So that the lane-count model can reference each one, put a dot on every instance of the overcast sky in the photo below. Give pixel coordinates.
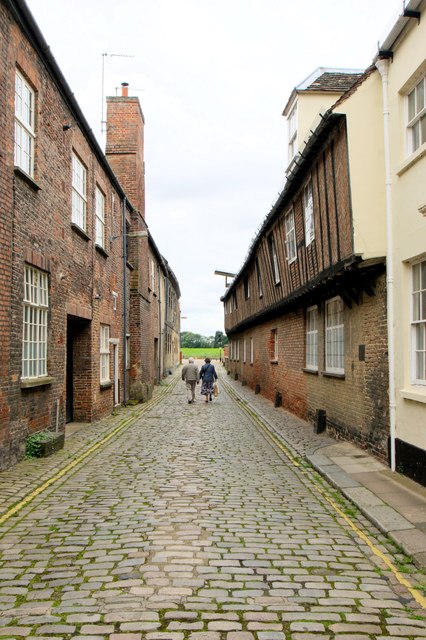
(213, 77)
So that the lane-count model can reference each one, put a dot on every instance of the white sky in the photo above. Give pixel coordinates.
(213, 77)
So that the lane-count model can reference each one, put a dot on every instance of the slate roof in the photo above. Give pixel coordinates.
(333, 81)
(325, 79)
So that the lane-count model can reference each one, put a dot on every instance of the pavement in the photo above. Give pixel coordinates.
(395, 504)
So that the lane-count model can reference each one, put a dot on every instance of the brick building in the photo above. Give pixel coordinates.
(154, 290)
(80, 278)
(306, 314)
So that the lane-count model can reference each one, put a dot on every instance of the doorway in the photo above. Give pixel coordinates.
(78, 370)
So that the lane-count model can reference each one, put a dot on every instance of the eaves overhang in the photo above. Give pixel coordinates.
(295, 179)
(349, 279)
(411, 12)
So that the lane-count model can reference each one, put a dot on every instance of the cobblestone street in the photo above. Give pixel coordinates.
(191, 523)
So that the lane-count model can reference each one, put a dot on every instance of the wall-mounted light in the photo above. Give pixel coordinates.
(65, 127)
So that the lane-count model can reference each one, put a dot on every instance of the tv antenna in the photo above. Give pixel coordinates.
(111, 55)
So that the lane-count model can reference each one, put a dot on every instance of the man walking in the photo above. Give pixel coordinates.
(191, 376)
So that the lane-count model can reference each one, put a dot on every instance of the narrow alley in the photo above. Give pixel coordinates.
(190, 522)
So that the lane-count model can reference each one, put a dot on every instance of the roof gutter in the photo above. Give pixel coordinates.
(410, 12)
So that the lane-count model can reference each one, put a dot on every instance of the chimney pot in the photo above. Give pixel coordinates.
(125, 89)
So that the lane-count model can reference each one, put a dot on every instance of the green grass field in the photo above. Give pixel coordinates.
(201, 353)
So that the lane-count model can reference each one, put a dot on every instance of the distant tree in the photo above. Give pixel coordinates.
(191, 340)
(220, 339)
(196, 341)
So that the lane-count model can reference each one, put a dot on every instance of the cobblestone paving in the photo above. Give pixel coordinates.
(191, 525)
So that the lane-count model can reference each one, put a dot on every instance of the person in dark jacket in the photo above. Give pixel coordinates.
(208, 376)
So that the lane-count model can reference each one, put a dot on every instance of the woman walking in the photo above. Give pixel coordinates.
(208, 376)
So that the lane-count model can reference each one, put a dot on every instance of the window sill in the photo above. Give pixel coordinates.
(329, 374)
(417, 396)
(412, 159)
(80, 231)
(27, 178)
(311, 371)
(28, 383)
(106, 385)
(101, 250)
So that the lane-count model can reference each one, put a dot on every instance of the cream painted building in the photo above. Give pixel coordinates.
(385, 114)
(402, 66)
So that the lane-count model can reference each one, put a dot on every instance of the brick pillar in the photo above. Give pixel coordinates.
(125, 145)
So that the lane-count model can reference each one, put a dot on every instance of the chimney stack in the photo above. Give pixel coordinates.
(125, 144)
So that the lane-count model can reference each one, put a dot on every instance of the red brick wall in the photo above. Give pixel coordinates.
(6, 217)
(356, 405)
(284, 375)
(81, 278)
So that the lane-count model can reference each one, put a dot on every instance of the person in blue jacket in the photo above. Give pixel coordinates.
(208, 376)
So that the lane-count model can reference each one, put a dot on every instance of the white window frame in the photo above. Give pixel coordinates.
(244, 351)
(274, 259)
(312, 338)
(292, 133)
(290, 237)
(24, 124)
(247, 287)
(251, 351)
(418, 322)
(79, 193)
(35, 318)
(259, 280)
(416, 116)
(104, 354)
(308, 212)
(152, 275)
(334, 336)
(100, 218)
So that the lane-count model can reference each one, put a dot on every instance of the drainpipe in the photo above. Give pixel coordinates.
(382, 65)
(160, 336)
(124, 301)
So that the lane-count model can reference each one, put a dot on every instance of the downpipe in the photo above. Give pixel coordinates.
(382, 64)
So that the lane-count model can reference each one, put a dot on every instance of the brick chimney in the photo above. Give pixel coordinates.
(125, 145)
